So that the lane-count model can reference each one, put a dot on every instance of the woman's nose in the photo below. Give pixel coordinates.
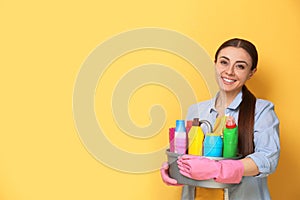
(230, 69)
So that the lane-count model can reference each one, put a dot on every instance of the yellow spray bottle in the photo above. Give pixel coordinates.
(196, 137)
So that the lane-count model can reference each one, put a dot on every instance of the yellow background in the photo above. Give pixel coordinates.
(44, 43)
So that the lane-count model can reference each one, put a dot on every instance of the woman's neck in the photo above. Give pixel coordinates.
(224, 99)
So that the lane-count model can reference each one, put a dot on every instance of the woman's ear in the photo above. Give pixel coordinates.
(252, 73)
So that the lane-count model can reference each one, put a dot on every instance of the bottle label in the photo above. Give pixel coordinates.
(180, 145)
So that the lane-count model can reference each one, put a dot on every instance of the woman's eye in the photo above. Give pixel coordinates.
(240, 66)
(223, 62)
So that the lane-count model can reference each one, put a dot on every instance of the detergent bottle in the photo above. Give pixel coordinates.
(213, 145)
(180, 140)
(213, 142)
(230, 137)
(196, 137)
(171, 139)
(189, 124)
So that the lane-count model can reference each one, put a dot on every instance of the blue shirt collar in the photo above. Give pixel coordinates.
(234, 104)
(237, 101)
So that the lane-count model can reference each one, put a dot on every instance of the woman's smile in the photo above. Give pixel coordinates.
(228, 81)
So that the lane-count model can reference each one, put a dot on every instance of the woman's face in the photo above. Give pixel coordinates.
(233, 69)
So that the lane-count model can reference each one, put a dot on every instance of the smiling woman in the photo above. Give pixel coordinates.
(258, 132)
(240, 64)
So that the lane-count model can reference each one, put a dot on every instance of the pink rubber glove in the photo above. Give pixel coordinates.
(164, 172)
(201, 168)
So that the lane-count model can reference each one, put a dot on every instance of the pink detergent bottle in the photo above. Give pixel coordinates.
(171, 139)
(180, 137)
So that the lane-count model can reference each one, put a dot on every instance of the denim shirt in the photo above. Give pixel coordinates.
(266, 141)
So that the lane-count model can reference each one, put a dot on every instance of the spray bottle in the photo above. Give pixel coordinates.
(230, 135)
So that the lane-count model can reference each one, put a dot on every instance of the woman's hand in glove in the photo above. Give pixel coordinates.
(164, 172)
(201, 168)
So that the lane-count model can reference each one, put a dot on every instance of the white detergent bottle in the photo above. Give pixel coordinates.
(180, 137)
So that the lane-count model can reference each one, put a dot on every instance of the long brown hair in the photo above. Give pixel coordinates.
(246, 123)
(247, 106)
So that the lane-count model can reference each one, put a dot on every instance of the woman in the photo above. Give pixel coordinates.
(258, 129)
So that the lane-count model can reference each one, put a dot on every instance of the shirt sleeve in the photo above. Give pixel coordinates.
(266, 138)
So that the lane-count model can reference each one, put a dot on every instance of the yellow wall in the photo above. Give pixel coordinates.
(43, 45)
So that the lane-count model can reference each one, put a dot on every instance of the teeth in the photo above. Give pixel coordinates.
(228, 80)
